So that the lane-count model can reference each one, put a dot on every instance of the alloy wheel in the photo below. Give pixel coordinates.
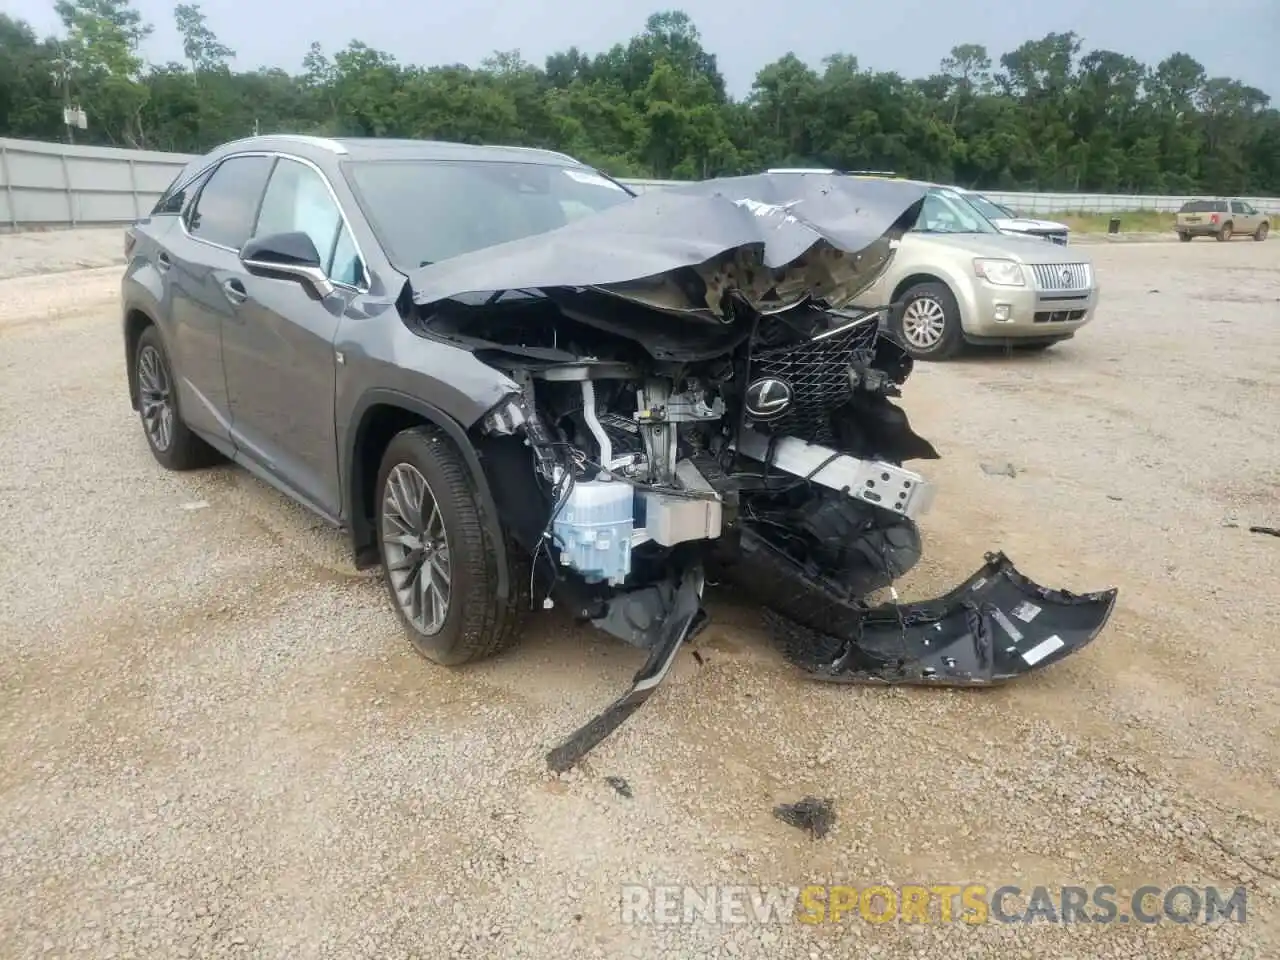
(155, 395)
(416, 549)
(923, 323)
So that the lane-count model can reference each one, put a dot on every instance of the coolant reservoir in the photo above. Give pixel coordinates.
(594, 530)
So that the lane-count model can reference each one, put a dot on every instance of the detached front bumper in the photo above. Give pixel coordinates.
(996, 626)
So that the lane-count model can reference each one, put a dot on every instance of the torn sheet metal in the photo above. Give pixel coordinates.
(995, 626)
(775, 238)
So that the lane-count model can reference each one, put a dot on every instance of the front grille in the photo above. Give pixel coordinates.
(1058, 316)
(1061, 276)
(817, 372)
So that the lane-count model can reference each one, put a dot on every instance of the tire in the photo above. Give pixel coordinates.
(172, 443)
(924, 299)
(1261, 233)
(475, 623)
(1226, 231)
(1184, 236)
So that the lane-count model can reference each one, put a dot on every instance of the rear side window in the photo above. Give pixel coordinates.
(225, 210)
(175, 196)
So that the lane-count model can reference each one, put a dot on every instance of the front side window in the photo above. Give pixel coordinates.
(425, 211)
(224, 211)
(298, 201)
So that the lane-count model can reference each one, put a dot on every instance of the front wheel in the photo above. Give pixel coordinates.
(1261, 233)
(928, 326)
(438, 557)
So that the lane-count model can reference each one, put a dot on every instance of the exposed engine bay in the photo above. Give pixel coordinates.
(727, 416)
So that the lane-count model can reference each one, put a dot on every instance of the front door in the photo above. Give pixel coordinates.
(278, 350)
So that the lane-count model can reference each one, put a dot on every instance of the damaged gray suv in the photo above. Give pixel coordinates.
(517, 385)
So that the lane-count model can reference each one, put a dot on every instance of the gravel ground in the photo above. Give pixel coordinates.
(56, 251)
(217, 743)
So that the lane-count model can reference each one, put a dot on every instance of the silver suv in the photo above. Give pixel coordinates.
(960, 280)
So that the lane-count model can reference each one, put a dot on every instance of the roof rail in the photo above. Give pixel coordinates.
(544, 152)
(833, 172)
(323, 143)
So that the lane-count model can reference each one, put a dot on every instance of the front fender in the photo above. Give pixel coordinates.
(363, 415)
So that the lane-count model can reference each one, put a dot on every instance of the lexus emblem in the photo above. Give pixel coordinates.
(768, 398)
(1066, 277)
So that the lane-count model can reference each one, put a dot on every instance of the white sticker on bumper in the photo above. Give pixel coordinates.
(1043, 649)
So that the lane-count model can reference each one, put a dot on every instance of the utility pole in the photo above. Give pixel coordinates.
(72, 116)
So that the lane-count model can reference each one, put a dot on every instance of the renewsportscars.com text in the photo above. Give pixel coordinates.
(936, 903)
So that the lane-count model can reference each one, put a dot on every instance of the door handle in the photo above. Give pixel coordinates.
(235, 291)
(163, 262)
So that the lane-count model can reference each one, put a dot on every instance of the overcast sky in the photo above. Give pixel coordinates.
(1236, 38)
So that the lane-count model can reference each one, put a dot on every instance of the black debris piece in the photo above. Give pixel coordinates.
(620, 784)
(1272, 531)
(817, 816)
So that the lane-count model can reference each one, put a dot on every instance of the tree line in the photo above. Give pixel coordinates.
(1042, 117)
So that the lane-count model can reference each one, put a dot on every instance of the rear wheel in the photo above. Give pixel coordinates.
(438, 558)
(1225, 232)
(928, 325)
(173, 445)
(1184, 236)
(1261, 233)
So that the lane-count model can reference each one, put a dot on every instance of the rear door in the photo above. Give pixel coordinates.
(202, 254)
(278, 347)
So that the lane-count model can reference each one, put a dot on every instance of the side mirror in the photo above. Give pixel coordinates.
(287, 255)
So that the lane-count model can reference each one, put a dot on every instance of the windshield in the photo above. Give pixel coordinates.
(946, 211)
(988, 209)
(425, 211)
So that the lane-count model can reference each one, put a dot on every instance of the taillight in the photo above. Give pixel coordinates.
(1214, 218)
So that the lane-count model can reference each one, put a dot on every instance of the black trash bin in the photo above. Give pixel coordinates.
(1113, 226)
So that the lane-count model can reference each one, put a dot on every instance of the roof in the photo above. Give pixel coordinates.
(386, 148)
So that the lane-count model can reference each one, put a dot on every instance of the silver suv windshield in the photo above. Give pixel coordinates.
(425, 211)
(946, 211)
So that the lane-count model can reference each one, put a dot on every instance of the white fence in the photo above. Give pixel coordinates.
(60, 185)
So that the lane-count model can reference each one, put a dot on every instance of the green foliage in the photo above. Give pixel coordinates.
(1045, 116)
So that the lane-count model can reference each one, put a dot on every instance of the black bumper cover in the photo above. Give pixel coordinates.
(996, 626)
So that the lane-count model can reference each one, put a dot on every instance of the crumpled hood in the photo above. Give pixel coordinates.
(775, 238)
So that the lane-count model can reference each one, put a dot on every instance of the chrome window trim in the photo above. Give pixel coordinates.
(279, 155)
